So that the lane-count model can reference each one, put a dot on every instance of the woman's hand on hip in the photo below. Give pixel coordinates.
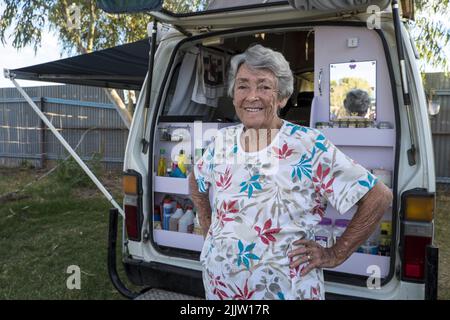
(314, 254)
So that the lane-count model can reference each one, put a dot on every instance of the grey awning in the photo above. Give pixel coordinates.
(121, 67)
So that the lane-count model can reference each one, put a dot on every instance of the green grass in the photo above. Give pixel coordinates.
(41, 236)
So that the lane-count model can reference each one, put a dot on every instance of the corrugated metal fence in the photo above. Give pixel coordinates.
(79, 113)
(439, 85)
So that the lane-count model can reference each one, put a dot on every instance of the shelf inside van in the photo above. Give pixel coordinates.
(179, 240)
(171, 185)
(364, 264)
(365, 137)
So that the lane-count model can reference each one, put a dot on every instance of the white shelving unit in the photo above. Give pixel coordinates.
(362, 264)
(363, 137)
(179, 186)
(179, 240)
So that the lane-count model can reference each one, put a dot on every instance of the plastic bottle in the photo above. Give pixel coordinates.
(324, 233)
(173, 223)
(197, 227)
(186, 222)
(167, 212)
(384, 248)
(162, 163)
(182, 162)
(339, 227)
(176, 172)
(157, 218)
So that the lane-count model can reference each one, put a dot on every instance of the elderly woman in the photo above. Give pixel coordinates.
(270, 182)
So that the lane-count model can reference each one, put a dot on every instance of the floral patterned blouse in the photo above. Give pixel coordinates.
(262, 202)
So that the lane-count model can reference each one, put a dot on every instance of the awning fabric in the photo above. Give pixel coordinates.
(121, 67)
(129, 6)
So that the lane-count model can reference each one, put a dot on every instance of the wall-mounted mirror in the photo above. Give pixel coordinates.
(353, 90)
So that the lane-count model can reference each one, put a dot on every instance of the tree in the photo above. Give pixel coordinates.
(430, 32)
(94, 30)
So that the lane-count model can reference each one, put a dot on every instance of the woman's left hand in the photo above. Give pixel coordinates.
(313, 253)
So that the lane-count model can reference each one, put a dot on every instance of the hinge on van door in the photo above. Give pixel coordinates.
(204, 29)
(346, 14)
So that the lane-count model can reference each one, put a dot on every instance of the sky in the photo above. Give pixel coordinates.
(12, 58)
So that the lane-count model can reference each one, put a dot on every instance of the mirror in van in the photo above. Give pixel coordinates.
(353, 90)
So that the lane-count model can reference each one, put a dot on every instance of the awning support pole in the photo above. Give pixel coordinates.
(64, 143)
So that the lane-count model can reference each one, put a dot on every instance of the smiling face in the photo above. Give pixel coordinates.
(256, 99)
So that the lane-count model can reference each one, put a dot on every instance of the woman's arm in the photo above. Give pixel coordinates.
(201, 203)
(371, 209)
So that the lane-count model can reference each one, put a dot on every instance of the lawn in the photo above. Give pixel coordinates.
(56, 226)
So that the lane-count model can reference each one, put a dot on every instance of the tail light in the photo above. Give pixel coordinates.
(416, 232)
(132, 188)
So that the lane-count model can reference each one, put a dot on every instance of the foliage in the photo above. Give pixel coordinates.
(97, 29)
(431, 31)
(69, 172)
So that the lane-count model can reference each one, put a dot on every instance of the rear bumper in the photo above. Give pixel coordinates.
(163, 276)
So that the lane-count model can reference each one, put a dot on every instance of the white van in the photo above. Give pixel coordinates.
(328, 44)
(332, 47)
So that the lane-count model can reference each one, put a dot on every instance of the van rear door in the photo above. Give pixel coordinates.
(219, 15)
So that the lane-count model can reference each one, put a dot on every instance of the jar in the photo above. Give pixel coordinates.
(352, 123)
(339, 227)
(324, 233)
(322, 125)
(362, 124)
(343, 124)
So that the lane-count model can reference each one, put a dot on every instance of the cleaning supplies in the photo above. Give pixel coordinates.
(181, 160)
(174, 219)
(186, 223)
(162, 163)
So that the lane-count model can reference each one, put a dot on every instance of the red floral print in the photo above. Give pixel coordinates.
(284, 152)
(319, 179)
(266, 234)
(224, 181)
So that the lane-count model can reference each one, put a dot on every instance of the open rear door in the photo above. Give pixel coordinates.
(215, 15)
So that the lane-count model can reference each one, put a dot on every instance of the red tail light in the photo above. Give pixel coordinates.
(416, 232)
(414, 257)
(132, 187)
(132, 222)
